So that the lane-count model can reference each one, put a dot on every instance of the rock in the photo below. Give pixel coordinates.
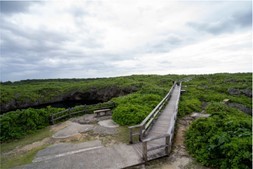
(246, 92)
(72, 130)
(92, 95)
(232, 91)
(199, 115)
(241, 107)
(108, 123)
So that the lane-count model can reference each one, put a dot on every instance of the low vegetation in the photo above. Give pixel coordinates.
(132, 109)
(223, 140)
(19, 123)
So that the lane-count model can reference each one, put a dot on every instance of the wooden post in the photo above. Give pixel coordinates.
(167, 143)
(145, 151)
(130, 135)
(141, 135)
(52, 119)
(69, 112)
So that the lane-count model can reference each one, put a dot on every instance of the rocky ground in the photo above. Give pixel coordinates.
(72, 131)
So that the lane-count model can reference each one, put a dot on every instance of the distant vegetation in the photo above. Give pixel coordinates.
(223, 140)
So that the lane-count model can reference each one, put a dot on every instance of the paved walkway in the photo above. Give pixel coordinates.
(90, 155)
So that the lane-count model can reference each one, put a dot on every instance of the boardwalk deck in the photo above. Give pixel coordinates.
(164, 124)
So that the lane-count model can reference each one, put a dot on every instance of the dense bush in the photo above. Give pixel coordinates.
(133, 108)
(214, 88)
(223, 140)
(189, 105)
(17, 124)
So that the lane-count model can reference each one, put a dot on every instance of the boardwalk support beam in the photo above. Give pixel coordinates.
(168, 145)
(145, 151)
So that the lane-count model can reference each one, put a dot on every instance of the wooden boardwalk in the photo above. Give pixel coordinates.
(157, 141)
(162, 124)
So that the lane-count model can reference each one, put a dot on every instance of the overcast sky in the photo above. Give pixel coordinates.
(99, 38)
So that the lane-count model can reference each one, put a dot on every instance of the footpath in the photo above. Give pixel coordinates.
(85, 155)
(90, 154)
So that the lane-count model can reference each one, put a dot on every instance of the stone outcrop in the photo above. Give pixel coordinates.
(246, 92)
(90, 96)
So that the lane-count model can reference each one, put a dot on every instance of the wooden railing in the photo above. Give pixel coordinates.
(168, 137)
(166, 146)
(141, 130)
(70, 112)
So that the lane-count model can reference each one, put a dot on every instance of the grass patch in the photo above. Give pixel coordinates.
(39, 135)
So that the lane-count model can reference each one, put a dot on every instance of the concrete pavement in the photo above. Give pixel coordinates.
(90, 155)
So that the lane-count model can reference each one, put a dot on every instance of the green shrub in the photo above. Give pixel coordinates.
(17, 124)
(133, 108)
(187, 106)
(222, 140)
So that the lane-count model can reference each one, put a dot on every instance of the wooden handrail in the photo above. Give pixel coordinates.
(155, 138)
(158, 106)
(148, 121)
(71, 111)
(168, 136)
(166, 146)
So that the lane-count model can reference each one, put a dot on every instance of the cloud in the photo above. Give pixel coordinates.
(78, 39)
(10, 7)
(229, 21)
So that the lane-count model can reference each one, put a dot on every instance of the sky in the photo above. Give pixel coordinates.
(101, 38)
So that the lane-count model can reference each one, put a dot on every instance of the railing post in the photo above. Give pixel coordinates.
(69, 112)
(52, 119)
(167, 143)
(141, 135)
(130, 135)
(145, 151)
